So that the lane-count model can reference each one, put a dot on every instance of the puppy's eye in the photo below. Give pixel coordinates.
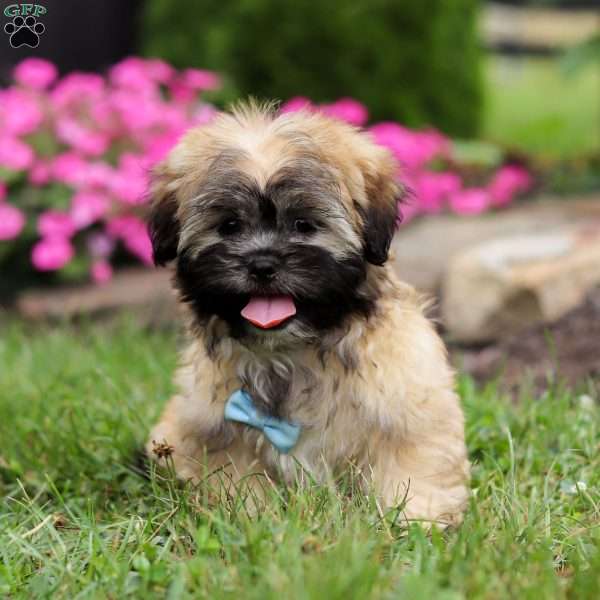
(230, 227)
(304, 226)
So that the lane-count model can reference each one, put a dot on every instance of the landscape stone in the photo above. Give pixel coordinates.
(423, 248)
(496, 288)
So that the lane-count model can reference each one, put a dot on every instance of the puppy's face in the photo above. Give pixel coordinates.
(274, 222)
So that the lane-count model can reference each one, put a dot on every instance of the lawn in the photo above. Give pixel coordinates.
(76, 521)
(534, 105)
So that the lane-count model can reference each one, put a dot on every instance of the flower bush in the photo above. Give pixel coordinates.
(76, 153)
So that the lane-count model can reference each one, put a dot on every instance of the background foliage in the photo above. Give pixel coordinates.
(429, 74)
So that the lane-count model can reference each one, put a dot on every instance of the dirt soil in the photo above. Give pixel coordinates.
(567, 349)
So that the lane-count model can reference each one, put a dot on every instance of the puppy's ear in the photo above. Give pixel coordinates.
(163, 224)
(381, 213)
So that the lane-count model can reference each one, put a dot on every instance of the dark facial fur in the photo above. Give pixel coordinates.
(291, 225)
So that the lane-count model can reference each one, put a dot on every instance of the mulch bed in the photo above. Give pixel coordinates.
(568, 350)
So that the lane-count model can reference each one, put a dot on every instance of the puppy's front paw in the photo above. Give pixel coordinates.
(444, 507)
(430, 479)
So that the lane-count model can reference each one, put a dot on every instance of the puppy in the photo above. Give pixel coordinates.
(307, 354)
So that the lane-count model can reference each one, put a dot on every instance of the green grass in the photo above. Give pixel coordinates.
(77, 522)
(533, 105)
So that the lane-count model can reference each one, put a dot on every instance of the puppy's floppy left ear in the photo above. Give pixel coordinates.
(163, 224)
(381, 214)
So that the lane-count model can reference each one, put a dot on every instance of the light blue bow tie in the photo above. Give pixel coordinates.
(282, 434)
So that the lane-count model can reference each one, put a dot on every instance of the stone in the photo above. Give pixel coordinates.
(423, 248)
(146, 293)
(496, 288)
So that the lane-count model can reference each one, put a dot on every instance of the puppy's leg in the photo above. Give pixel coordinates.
(204, 450)
(430, 472)
(171, 441)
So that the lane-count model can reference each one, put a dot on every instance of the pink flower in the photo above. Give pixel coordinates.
(185, 88)
(507, 182)
(101, 272)
(72, 169)
(40, 173)
(200, 79)
(52, 253)
(98, 174)
(86, 141)
(181, 93)
(76, 89)
(54, 223)
(131, 73)
(136, 112)
(35, 73)
(87, 207)
(102, 116)
(69, 168)
(158, 147)
(140, 246)
(15, 154)
(12, 221)
(128, 161)
(3, 190)
(204, 114)
(134, 235)
(130, 182)
(432, 189)
(407, 211)
(347, 109)
(469, 201)
(172, 117)
(413, 149)
(433, 143)
(159, 70)
(122, 226)
(295, 104)
(100, 245)
(20, 114)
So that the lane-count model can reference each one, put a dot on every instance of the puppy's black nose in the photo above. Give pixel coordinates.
(263, 268)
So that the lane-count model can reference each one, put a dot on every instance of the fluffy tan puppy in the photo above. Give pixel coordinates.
(279, 227)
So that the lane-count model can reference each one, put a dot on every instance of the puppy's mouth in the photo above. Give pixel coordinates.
(267, 312)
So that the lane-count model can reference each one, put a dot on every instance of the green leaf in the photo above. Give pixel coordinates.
(10, 177)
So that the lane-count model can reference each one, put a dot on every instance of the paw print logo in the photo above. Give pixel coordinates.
(24, 31)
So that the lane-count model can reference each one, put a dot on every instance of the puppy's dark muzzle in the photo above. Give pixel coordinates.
(263, 269)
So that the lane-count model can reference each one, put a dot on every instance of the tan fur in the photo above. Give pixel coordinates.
(393, 413)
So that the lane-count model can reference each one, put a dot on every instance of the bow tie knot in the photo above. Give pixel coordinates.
(282, 434)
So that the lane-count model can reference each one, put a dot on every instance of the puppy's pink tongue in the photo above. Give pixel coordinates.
(267, 312)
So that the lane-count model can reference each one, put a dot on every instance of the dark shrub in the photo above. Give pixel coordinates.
(416, 61)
